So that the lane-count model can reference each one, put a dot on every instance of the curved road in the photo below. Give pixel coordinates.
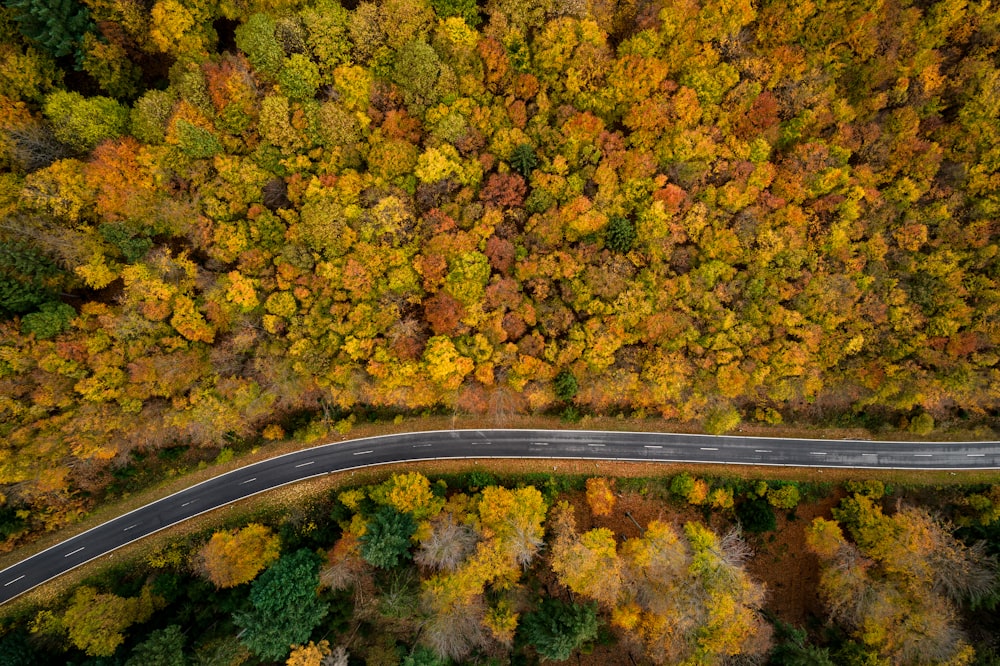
(452, 444)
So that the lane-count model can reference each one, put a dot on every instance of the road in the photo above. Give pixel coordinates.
(452, 444)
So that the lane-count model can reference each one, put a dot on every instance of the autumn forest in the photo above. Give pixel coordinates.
(227, 222)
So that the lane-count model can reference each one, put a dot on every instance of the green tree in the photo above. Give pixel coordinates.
(794, 650)
(27, 278)
(466, 9)
(83, 122)
(722, 420)
(256, 38)
(523, 160)
(565, 385)
(386, 541)
(557, 628)
(620, 234)
(51, 319)
(415, 69)
(756, 516)
(96, 622)
(56, 26)
(163, 647)
(285, 607)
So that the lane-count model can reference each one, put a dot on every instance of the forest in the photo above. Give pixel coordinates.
(239, 221)
(480, 568)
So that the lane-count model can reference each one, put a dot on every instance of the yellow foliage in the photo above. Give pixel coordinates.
(235, 557)
(308, 655)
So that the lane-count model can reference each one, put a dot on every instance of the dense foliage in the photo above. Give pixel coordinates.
(216, 217)
(540, 569)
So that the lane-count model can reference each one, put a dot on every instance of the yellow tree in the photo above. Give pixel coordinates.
(586, 563)
(600, 496)
(235, 557)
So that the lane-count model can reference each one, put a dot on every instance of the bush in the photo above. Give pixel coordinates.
(756, 516)
(922, 425)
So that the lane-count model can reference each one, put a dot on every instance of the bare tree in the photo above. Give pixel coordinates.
(447, 546)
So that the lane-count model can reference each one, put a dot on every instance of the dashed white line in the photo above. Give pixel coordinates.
(923, 455)
(15, 580)
(595, 444)
(869, 454)
(248, 480)
(975, 455)
(420, 446)
(188, 502)
(129, 527)
(709, 448)
(539, 443)
(74, 552)
(311, 462)
(817, 453)
(762, 450)
(653, 446)
(361, 453)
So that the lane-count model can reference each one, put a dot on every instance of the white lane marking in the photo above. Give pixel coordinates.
(923, 455)
(817, 453)
(709, 448)
(311, 462)
(420, 446)
(361, 453)
(653, 446)
(595, 444)
(869, 454)
(248, 480)
(75, 551)
(762, 450)
(539, 443)
(129, 527)
(975, 455)
(15, 580)
(188, 502)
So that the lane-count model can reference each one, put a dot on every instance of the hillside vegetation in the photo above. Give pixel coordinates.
(217, 217)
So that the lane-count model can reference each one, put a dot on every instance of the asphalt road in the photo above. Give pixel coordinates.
(451, 444)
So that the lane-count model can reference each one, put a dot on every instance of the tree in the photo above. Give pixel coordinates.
(285, 607)
(600, 495)
(794, 650)
(386, 541)
(565, 385)
(557, 628)
(620, 234)
(163, 647)
(83, 122)
(255, 37)
(466, 9)
(408, 493)
(96, 621)
(51, 319)
(57, 26)
(235, 557)
(27, 278)
(756, 516)
(523, 160)
(312, 654)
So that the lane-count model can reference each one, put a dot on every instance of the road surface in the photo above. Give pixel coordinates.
(452, 444)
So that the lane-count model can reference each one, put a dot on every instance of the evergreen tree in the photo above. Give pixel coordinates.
(56, 26)
(557, 628)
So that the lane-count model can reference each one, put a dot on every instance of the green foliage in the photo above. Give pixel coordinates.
(196, 142)
(299, 77)
(756, 516)
(83, 122)
(150, 114)
(386, 541)
(922, 424)
(284, 606)
(466, 9)
(565, 385)
(111, 67)
(620, 234)
(163, 647)
(56, 26)
(132, 247)
(415, 69)
(26, 278)
(16, 651)
(794, 650)
(557, 628)
(523, 160)
(721, 420)
(682, 485)
(785, 496)
(51, 319)
(422, 656)
(256, 38)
